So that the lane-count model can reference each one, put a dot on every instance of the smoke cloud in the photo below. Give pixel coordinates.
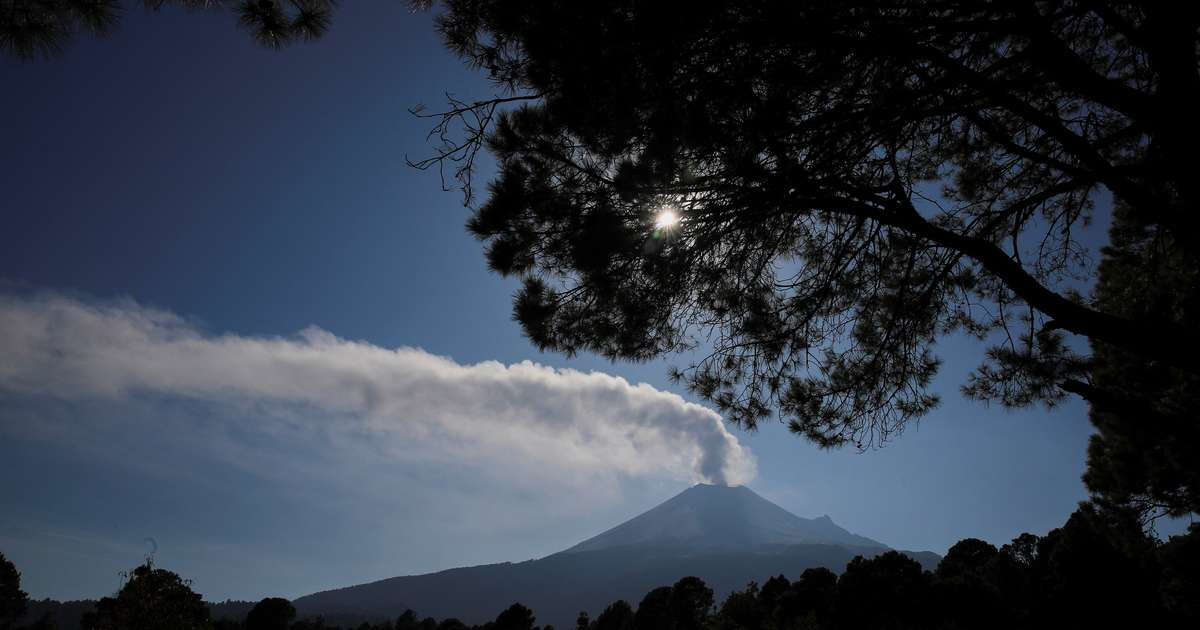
(406, 400)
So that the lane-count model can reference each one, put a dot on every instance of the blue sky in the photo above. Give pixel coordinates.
(175, 176)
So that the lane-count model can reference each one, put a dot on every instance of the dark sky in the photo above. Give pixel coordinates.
(210, 252)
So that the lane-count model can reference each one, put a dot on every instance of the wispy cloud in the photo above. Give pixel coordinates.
(408, 402)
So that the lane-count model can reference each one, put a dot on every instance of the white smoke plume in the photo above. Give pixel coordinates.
(551, 419)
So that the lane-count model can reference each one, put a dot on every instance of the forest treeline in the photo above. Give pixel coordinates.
(1100, 569)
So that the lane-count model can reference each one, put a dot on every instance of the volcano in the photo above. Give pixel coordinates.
(714, 518)
(726, 535)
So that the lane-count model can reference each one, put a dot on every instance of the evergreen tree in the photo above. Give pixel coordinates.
(965, 589)
(889, 591)
(1145, 411)
(272, 613)
(741, 610)
(811, 596)
(618, 616)
(151, 599)
(1180, 586)
(13, 601)
(32, 28)
(654, 611)
(820, 190)
(407, 620)
(515, 617)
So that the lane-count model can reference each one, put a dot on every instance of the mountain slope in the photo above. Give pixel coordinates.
(727, 536)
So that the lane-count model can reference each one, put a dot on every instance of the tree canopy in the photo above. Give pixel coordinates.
(1143, 453)
(272, 613)
(814, 193)
(618, 615)
(13, 600)
(32, 28)
(515, 617)
(151, 599)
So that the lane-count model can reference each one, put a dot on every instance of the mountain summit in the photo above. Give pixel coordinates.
(722, 518)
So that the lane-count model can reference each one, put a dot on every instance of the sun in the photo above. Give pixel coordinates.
(665, 219)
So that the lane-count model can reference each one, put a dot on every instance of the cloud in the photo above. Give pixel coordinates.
(522, 418)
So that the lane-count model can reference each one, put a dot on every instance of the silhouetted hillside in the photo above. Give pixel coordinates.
(727, 536)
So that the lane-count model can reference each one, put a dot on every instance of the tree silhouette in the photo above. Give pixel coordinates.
(740, 610)
(515, 617)
(887, 591)
(1180, 559)
(272, 613)
(407, 620)
(684, 606)
(845, 181)
(772, 592)
(32, 28)
(618, 616)
(654, 611)
(1097, 570)
(151, 599)
(691, 603)
(13, 601)
(1143, 451)
(966, 591)
(811, 596)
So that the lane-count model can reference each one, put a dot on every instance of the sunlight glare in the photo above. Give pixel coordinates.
(666, 218)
